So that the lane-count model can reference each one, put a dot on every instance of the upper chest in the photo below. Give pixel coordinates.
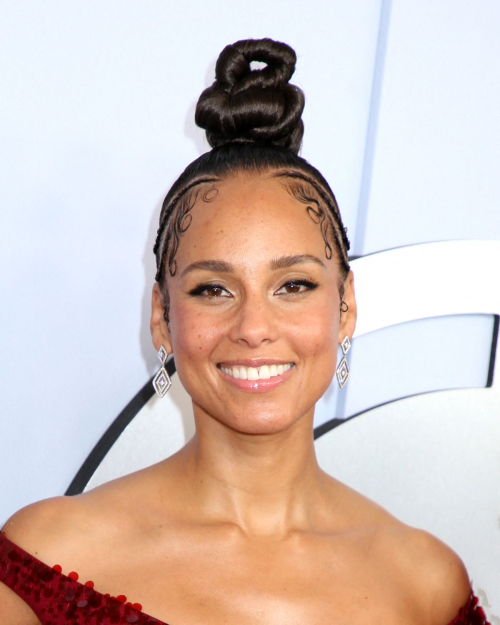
(215, 580)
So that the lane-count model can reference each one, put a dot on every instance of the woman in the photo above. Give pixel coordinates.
(253, 296)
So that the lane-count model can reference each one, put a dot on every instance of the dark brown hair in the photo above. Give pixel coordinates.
(252, 119)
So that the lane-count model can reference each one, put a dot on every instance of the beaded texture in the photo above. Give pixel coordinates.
(57, 599)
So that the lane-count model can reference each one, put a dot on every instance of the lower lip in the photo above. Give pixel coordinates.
(258, 386)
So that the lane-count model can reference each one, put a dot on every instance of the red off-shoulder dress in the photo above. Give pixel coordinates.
(57, 599)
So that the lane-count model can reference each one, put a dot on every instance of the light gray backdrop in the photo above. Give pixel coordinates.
(96, 122)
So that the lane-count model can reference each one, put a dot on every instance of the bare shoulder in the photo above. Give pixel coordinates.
(422, 568)
(33, 528)
(75, 532)
(37, 526)
(63, 529)
(436, 575)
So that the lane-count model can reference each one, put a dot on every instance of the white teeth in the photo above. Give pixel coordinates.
(264, 373)
(256, 373)
(253, 373)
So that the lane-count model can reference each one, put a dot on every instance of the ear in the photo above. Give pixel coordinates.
(158, 326)
(348, 318)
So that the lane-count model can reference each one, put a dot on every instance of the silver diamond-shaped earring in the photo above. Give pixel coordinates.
(162, 381)
(343, 368)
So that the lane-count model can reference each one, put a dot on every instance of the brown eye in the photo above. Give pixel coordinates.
(292, 287)
(210, 290)
(214, 291)
(296, 287)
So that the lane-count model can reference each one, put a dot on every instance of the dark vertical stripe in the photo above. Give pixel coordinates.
(493, 352)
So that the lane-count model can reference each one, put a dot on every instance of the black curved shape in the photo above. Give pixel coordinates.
(111, 435)
(109, 438)
(334, 423)
(493, 352)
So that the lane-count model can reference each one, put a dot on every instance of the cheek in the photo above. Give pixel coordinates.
(317, 328)
(322, 339)
(312, 333)
(193, 333)
(323, 348)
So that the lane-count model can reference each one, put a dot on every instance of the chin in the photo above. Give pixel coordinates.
(262, 422)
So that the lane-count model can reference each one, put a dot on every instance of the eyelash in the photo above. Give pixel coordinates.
(201, 288)
(198, 290)
(307, 283)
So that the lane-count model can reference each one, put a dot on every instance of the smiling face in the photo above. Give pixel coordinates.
(254, 307)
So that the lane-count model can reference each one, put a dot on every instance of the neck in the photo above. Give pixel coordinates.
(266, 484)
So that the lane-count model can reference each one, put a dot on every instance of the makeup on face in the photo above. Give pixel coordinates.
(254, 307)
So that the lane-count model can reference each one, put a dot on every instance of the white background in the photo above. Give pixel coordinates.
(96, 122)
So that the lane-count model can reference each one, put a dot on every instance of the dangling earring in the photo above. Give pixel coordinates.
(343, 368)
(162, 381)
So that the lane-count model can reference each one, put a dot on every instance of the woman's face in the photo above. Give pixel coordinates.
(254, 307)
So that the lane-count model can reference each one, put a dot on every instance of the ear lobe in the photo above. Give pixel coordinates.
(159, 330)
(348, 318)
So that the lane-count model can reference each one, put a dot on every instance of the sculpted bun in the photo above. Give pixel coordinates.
(253, 105)
(253, 119)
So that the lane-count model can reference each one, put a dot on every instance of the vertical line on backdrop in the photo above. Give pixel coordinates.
(371, 128)
(366, 172)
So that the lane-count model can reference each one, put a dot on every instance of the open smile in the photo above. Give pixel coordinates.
(262, 378)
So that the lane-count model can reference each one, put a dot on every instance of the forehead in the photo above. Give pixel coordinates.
(249, 214)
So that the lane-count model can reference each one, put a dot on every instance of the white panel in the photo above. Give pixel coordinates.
(417, 357)
(428, 280)
(435, 167)
(415, 283)
(96, 122)
(160, 429)
(434, 462)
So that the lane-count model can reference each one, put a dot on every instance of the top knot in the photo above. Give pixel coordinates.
(253, 105)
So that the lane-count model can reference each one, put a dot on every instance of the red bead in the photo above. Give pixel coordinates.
(57, 568)
(89, 584)
(74, 576)
(121, 598)
(128, 603)
(137, 606)
(107, 595)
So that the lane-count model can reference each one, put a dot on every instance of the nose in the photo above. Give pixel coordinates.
(255, 321)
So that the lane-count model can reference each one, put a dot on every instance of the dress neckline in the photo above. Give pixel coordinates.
(88, 589)
(146, 619)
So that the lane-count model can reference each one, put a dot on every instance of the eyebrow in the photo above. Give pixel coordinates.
(282, 262)
(297, 259)
(208, 265)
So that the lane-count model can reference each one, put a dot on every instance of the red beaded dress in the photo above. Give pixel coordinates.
(57, 599)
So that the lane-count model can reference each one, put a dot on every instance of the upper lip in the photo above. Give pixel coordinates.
(254, 362)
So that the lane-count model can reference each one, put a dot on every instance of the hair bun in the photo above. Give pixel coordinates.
(257, 105)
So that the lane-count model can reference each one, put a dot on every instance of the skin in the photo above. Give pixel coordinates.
(242, 526)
